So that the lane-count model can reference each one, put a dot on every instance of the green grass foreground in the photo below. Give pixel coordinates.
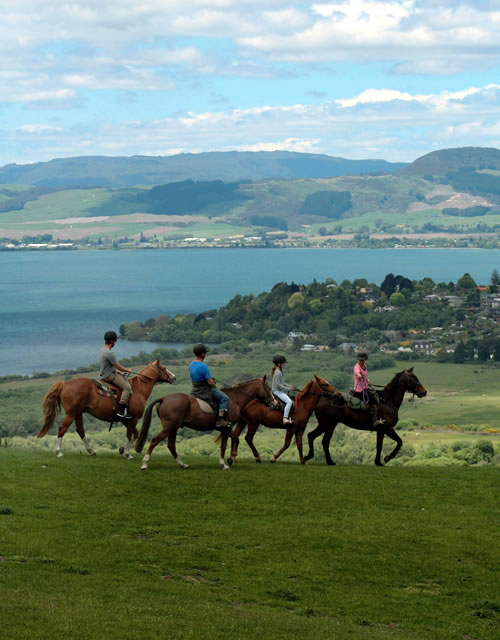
(92, 548)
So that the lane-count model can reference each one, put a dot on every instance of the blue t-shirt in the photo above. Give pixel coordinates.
(199, 371)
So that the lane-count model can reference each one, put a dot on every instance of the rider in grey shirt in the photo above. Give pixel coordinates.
(108, 371)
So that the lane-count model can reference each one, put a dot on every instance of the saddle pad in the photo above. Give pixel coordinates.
(356, 404)
(105, 390)
(204, 406)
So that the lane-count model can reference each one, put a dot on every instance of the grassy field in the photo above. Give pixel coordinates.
(93, 548)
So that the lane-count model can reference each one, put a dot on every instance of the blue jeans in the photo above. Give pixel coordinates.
(221, 399)
(288, 403)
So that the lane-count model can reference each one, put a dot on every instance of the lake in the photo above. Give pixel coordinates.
(56, 305)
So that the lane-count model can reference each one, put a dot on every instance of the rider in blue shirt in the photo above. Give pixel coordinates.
(204, 385)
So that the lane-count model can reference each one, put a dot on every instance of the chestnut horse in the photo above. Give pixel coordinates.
(254, 414)
(332, 410)
(182, 410)
(79, 395)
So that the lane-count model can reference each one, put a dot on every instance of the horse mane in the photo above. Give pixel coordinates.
(240, 384)
(392, 385)
(305, 389)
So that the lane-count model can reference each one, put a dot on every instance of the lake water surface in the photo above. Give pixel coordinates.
(55, 306)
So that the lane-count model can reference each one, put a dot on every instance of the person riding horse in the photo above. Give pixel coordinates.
(280, 388)
(204, 386)
(362, 388)
(109, 369)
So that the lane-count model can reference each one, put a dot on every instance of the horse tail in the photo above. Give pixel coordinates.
(51, 407)
(146, 422)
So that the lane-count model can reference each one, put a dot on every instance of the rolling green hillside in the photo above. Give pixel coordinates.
(453, 191)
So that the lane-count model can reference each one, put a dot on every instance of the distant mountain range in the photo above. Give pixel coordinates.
(230, 166)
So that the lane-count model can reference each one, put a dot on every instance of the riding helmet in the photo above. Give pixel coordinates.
(109, 336)
(279, 359)
(362, 355)
(199, 349)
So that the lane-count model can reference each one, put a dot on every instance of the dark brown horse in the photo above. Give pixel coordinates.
(80, 396)
(332, 410)
(255, 413)
(182, 410)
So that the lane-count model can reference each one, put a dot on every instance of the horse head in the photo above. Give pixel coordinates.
(325, 387)
(413, 384)
(162, 373)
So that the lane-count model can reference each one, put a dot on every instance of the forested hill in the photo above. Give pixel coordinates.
(92, 171)
(330, 314)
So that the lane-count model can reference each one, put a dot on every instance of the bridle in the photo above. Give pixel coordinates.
(160, 370)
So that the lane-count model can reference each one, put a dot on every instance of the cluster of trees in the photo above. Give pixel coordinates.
(468, 212)
(473, 181)
(330, 204)
(176, 198)
(17, 199)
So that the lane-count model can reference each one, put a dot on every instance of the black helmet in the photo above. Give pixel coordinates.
(109, 336)
(199, 349)
(362, 355)
(278, 359)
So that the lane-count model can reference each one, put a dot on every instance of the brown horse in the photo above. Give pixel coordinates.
(332, 410)
(80, 396)
(180, 409)
(254, 414)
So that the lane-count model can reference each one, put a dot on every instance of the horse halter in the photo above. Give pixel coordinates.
(161, 370)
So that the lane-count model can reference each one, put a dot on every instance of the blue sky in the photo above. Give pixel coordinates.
(391, 79)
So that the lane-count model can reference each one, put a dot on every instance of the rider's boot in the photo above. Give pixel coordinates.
(375, 417)
(222, 421)
(122, 412)
(287, 420)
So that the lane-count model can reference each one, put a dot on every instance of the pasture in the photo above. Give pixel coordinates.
(93, 548)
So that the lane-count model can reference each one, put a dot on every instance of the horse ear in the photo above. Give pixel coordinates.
(264, 378)
(410, 370)
(157, 362)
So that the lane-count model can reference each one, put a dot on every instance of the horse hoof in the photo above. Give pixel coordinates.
(226, 468)
(273, 460)
(308, 457)
(379, 464)
(92, 454)
(330, 463)
(144, 467)
(59, 454)
(258, 460)
(230, 461)
(129, 457)
(387, 459)
(121, 450)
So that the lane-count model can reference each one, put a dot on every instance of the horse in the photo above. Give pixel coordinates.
(334, 409)
(80, 395)
(254, 414)
(180, 409)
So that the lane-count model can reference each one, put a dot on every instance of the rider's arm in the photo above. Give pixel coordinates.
(120, 367)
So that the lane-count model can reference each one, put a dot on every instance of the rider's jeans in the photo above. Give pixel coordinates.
(288, 403)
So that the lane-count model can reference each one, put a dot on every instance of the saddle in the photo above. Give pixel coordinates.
(354, 403)
(204, 406)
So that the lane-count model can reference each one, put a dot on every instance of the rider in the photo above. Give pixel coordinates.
(204, 386)
(279, 387)
(108, 371)
(362, 388)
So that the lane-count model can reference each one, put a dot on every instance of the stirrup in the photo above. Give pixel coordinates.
(123, 413)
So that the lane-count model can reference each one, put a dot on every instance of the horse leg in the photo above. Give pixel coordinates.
(172, 438)
(235, 441)
(311, 437)
(154, 442)
(326, 445)
(286, 444)
(250, 434)
(223, 444)
(65, 424)
(380, 441)
(129, 440)
(81, 432)
(298, 441)
(394, 436)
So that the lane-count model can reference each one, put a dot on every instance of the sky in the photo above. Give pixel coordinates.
(391, 79)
